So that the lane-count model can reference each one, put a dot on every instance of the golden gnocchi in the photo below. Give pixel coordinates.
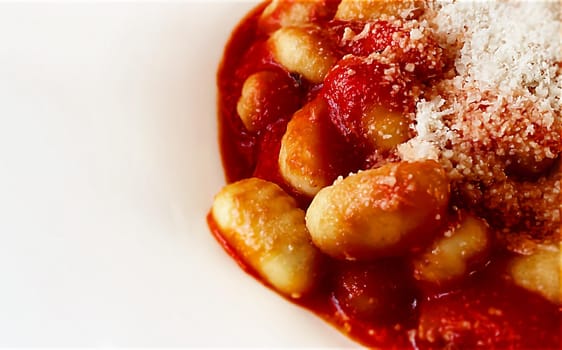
(379, 212)
(385, 129)
(263, 224)
(539, 272)
(303, 50)
(266, 96)
(287, 13)
(363, 10)
(456, 253)
(308, 159)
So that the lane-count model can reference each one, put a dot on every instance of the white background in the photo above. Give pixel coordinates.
(108, 165)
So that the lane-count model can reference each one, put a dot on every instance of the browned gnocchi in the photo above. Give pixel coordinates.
(385, 129)
(263, 224)
(362, 10)
(379, 212)
(266, 96)
(287, 13)
(308, 160)
(303, 50)
(457, 253)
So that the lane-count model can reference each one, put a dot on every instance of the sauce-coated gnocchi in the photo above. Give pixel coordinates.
(540, 272)
(266, 96)
(263, 224)
(359, 10)
(303, 50)
(463, 248)
(379, 212)
(308, 158)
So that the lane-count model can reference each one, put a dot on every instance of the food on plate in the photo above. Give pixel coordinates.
(265, 227)
(394, 166)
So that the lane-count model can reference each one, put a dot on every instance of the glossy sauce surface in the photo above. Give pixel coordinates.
(379, 304)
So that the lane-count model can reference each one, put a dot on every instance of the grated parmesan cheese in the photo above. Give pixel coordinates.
(507, 46)
(509, 51)
(500, 105)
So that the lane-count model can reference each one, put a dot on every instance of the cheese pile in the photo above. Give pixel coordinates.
(507, 81)
(499, 107)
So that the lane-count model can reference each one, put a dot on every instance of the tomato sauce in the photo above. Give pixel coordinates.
(485, 309)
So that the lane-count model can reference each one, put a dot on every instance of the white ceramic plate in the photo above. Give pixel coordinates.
(109, 162)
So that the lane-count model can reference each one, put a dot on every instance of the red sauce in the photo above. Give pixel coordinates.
(486, 309)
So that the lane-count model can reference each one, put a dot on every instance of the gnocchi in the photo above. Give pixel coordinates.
(266, 96)
(263, 224)
(539, 272)
(455, 254)
(385, 129)
(362, 10)
(307, 159)
(379, 212)
(303, 50)
(287, 13)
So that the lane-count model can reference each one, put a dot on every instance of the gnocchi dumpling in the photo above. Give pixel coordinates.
(303, 50)
(266, 97)
(539, 272)
(385, 129)
(386, 211)
(365, 10)
(454, 255)
(285, 13)
(307, 158)
(265, 227)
